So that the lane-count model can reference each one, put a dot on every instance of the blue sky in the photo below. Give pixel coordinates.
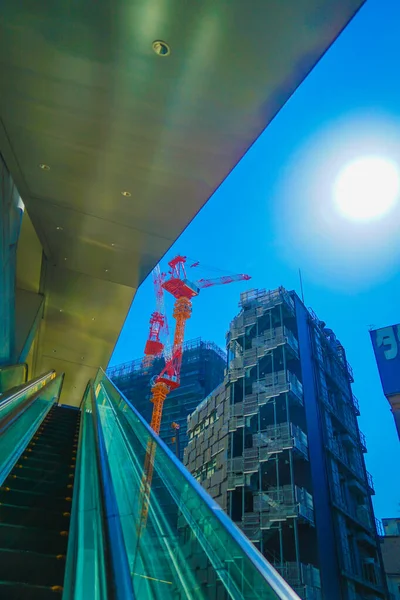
(275, 214)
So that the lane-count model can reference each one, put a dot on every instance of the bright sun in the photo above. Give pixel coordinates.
(367, 188)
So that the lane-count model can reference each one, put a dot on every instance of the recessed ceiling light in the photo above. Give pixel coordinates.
(59, 228)
(161, 48)
(44, 167)
(126, 194)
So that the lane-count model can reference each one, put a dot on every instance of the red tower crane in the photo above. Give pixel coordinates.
(183, 291)
(158, 322)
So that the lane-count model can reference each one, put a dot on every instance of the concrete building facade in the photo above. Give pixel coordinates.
(203, 365)
(278, 446)
(390, 544)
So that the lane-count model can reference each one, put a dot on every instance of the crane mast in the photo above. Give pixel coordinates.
(158, 323)
(169, 378)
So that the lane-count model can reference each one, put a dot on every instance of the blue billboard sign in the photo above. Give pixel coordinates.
(386, 343)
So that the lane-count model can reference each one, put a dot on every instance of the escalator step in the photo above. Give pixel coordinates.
(50, 452)
(53, 482)
(35, 499)
(55, 437)
(31, 517)
(21, 591)
(16, 537)
(24, 470)
(18, 566)
(27, 460)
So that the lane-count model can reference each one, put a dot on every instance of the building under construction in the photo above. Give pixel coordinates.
(277, 444)
(202, 370)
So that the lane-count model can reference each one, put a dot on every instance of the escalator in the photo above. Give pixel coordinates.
(70, 509)
(35, 507)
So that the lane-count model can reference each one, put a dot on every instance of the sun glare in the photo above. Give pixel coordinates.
(367, 188)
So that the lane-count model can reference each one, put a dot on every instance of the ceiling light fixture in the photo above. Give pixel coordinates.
(161, 48)
(44, 167)
(126, 194)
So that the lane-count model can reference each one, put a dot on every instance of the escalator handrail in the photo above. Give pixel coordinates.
(71, 589)
(121, 587)
(15, 393)
(15, 412)
(273, 578)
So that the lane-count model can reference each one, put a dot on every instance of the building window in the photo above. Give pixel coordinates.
(205, 471)
(204, 424)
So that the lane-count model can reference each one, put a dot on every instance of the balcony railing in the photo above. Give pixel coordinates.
(354, 463)
(264, 391)
(276, 438)
(379, 527)
(365, 570)
(370, 483)
(341, 412)
(370, 571)
(261, 344)
(275, 337)
(356, 404)
(305, 579)
(266, 443)
(363, 441)
(363, 515)
(255, 303)
(266, 298)
(359, 513)
(281, 503)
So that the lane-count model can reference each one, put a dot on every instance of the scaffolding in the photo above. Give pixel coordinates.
(136, 367)
(203, 365)
(248, 440)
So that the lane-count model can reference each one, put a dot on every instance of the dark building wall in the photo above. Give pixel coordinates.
(203, 365)
(329, 566)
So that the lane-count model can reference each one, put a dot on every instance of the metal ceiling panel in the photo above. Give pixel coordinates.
(82, 90)
(82, 317)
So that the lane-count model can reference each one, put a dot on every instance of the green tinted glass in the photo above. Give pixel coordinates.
(15, 435)
(179, 542)
(85, 573)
